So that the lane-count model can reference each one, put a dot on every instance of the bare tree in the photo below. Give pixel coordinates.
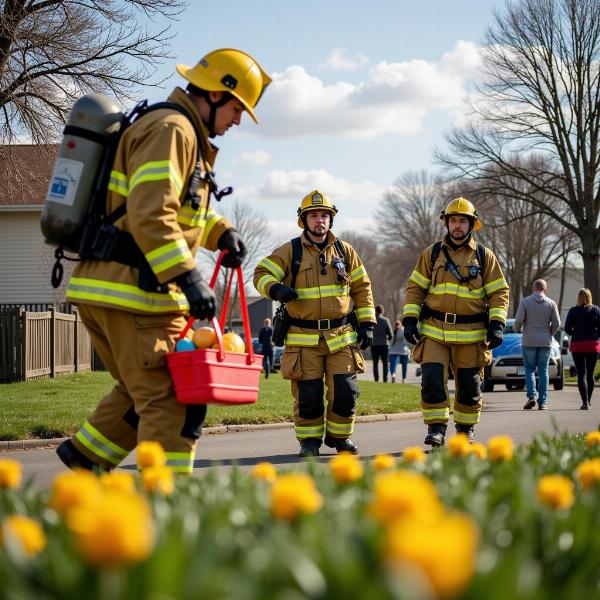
(541, 96)
(53, 51)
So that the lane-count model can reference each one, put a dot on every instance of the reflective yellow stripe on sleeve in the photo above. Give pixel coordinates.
(499, 314)
(272, 267)
(156, 170)
(212, 218)
(263, 282)
(495, 285)
(164, 257)
(118, 183)
(366, 313)
(188, 215)
(411, 310)
(420, 280)
(357, 273)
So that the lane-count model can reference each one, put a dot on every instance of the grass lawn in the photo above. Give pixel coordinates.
(47, 408)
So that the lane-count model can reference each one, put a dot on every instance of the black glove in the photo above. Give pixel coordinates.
(411, 331)
(364, 335)
(495, 334)
(282, 293)
(236, 249)
(200, 297)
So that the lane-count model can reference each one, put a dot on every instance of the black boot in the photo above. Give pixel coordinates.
(71, 457)
(468, 430)
(341, 445)
(436, 434)
(309, 447)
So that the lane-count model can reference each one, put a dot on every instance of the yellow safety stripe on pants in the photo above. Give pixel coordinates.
(188, 215)
(118, 183)
(180, 462)
(156, 170)
(357, 273)
(499, 314)
(466, 418)
(453, 289)
(325, 291)
(314, 431)
(411, 310)
(164, 257)
(273, 268)
(345, 429)
(302, 339)
(125, 296)
(262, 282)
(420, 280)
(435, 414)
(366, 313)
(341, 341)
(100, 445)
(453, 335)
(212, 218)
(495, 285)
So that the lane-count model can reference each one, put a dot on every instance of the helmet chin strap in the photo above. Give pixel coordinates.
(214, 106)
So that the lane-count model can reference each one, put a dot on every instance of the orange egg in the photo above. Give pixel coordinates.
(204, 337)
(232, 342)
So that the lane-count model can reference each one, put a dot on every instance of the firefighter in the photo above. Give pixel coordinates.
(321, 341)
(458, 293)
(134, 303)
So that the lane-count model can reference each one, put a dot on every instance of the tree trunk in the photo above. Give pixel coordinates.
(591, 274)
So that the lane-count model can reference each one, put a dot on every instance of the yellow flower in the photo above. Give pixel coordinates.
(150, 454)
(26, 531)
(478, 450)
(458, 445)
(588, 473)
(413, 455)
(445, 551)
(556, 491)
(346, 468)
(74, 488)
(293, 494)
(158, 480)
(10, 473)
(592, 439)
(404, 493)
(265, 471)
(118, 481)
(500, 448)
(117, 532)
(383, 462)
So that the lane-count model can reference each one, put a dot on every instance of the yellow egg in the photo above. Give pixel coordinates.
(204, 337)
(232, 342)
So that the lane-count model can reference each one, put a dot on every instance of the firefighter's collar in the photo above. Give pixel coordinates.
(447, 241)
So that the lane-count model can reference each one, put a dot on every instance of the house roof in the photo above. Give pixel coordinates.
(25, 171)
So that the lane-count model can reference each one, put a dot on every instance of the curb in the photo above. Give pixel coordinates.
(221, 429)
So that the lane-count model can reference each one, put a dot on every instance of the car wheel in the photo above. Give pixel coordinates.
(487, 386)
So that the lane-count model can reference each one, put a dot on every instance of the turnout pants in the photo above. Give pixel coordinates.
(306, 367)
(141, 406)
(467, 361)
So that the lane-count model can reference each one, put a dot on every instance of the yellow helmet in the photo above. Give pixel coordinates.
(232, 71)
(315, 200)
(461, 206)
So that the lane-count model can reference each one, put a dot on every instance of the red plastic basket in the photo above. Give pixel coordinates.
(208, 376)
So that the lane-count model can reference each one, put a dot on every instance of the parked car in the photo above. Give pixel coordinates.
(507, 363)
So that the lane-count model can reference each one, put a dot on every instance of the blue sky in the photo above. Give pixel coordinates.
(362, 92)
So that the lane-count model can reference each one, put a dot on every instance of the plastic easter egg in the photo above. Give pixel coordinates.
(204, 337)
(184, 345)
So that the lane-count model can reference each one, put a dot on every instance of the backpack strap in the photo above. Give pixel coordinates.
(296, 259)
(339, 246)
(481, 257)
(435, 252)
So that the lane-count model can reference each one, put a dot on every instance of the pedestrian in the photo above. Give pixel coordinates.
(458, 292)
(265, 339)
(317, 276)
(583, 325)
(399, 351)
(133, 303)
(538, 316)
(382, 334)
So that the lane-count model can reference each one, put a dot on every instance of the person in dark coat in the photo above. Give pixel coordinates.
(583, 325)
(265, 339)
(382, 334)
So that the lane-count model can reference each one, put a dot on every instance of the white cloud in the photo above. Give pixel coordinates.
(259, 158)
(338, 60)
(394, 98)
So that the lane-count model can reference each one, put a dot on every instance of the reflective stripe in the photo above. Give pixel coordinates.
(454, 289)
(466, 418)
(498, 313)
(180, 462)
(272, 267)
(435, 414)
(156, 170)
(164, 257)
(302, 339)
(100, 445)
(262, 282)
(453, 335)
(357, 273)
(188, 215)
(309, 432)
(420, 280)
(365, 313)
(341, 341)
(124, 295)
(325, 291)
(495, 285)
(413, 310)
(212, 218)
(340, 428)
(118, 183)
